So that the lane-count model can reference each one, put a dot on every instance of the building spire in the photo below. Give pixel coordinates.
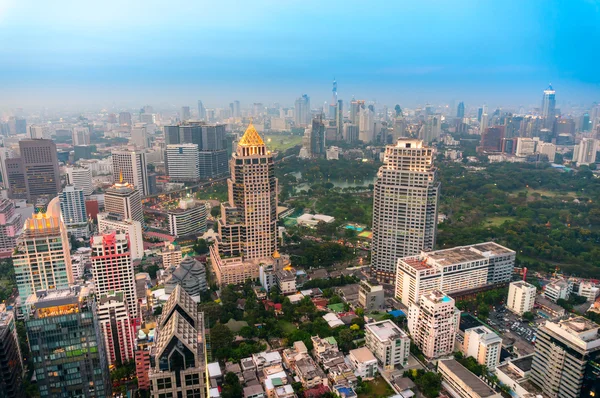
(121, 176)
(251, 137)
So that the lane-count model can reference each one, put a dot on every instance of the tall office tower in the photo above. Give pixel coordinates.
(40, 164)
(81, 136)
(11, 359)
(549, 107)
(405, 204)
(456, 270)
(433, 324)
(248, 226)
(108, 222)
(5, 153)
(125, 119)
(479, 114)
(66, 344)
(112, 269)
(521, 297)
(351, 132)
(565, 361)
(131, 165)
(491, 139)
(236, 112)
(355, 108)
(117, 329)
(180, 350)
(302, 115)
(366, 125)
(125, 201)
(584, 153)
(139, 137)
(332, 111)
(431, 129)
(80, 177)
(484, 122)
(484, 345)
(201, 111)
(171, 135)
(190, 274)
(339, 121)
(72, 208)
(39, 131)
(41, 258)
(460, 110)
(185, 113)
(188, 219)
(317, 138)
(15, 178)
(182, 162)
(11, 224)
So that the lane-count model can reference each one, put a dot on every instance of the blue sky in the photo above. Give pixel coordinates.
(408, 52)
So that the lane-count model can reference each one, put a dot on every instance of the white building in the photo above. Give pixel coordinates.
(139, 137)
(333, 153)
(109, 222)
(484, 345)
(123, 200)
(454, 270)
(182, 162)
(584, 153)
(389, 343)
(188, 219)
(588, 290)
(548, 149)
(433, 324)
(80, 177)
(117, 328)
(521, 297)
(131, 165)
(525, 146)
(81, 136)
(72, 208)
(558, 289)
(312, 220)
(462, 383)
(363, 362)
(40, 131)
(79, 260)
(286, 282)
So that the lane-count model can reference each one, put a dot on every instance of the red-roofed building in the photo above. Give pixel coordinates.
(317, 391)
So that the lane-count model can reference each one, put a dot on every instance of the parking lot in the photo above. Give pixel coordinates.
(511, 327)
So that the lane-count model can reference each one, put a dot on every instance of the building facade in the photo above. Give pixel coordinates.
(11, 225)
(371, 296)
(190, 274)
(11, 358)
(405, 201)
(117, 328)
(182, 162)
(521, 297)
(124, 201)
(40, 165)
(188, 219)
(80, 177)
(389, 343)
(133, 229)
(72, 207)
(484, 345)
(130, 167)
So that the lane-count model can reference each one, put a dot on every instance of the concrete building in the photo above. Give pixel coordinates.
(286, 282)
(139, 137)
(312, 220)
(371, 296)
(565, 358)
(457, 270)
(516, 374)
(112, 269)
(182, 162)
(72, 208)
(558, 289)
(405, 201)
(130, 167)
(40, 166)
(248, 223)
(65, 338)
(548, 149)
(190, 274)
(171, 256)
(188, 219)
(310, 374)
(179, 356)
(461, 383)
(15, 178)
(41, 257)
(433, 324)
(363, 362)
(123, 200)
(11, 358)
(80, 177)
(588, 290)
(117, 328)
(11, 225)
(133, 229)
(521, 297)
(584, 153)
(525, 146)
(389, 343)
(484, 345)
(81, 136)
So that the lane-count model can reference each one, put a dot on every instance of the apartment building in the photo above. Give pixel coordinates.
(389, 343)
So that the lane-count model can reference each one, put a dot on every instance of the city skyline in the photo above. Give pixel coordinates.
(414, 53)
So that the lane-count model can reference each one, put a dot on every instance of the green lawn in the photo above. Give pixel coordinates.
(497, 221)
(287, 327)
(543, 192)
(377, 388)
(281, 142)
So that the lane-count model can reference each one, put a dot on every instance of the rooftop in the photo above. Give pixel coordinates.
(468, 378)
(522, 284)
(460, 254)
(385, 330)
(523, 363)
(363, 354)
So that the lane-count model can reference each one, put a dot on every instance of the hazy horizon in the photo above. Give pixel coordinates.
(66, 53)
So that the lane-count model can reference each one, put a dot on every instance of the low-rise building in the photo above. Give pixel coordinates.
(548, 309)
(286, 281)
(484, 345)
(266, 359)
(292, 354)
(515, 374)
(371, 296)
(521, 297)
(190, 275)
(310, 374)
(588, 290)
(558, 289)
(255, 391)
(312, 220)
(389, 343)
(461, 383)
(188, 219)
(364, 363)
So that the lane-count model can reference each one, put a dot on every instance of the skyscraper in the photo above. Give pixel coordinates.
(66, 344)
(248, 226)
(549, 107)
(40, 165)
(460, 110)
(201, 111)
(125, 119)
(11, 359)
(185, 114)
(405, 203)
(565, 361)
(72, 208)
(339, 121)
(11, 224)
(317, 138)
(117, 329)
(125, 201)
(112, 269)
(139, 136)
(584, 153)
(492, 138)
(15, 178)
(171, 135)
(302, 115)
(182, 162)
(81, 136)
(130, 167)
(80, 177)
(41, 258)
(180, 350)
